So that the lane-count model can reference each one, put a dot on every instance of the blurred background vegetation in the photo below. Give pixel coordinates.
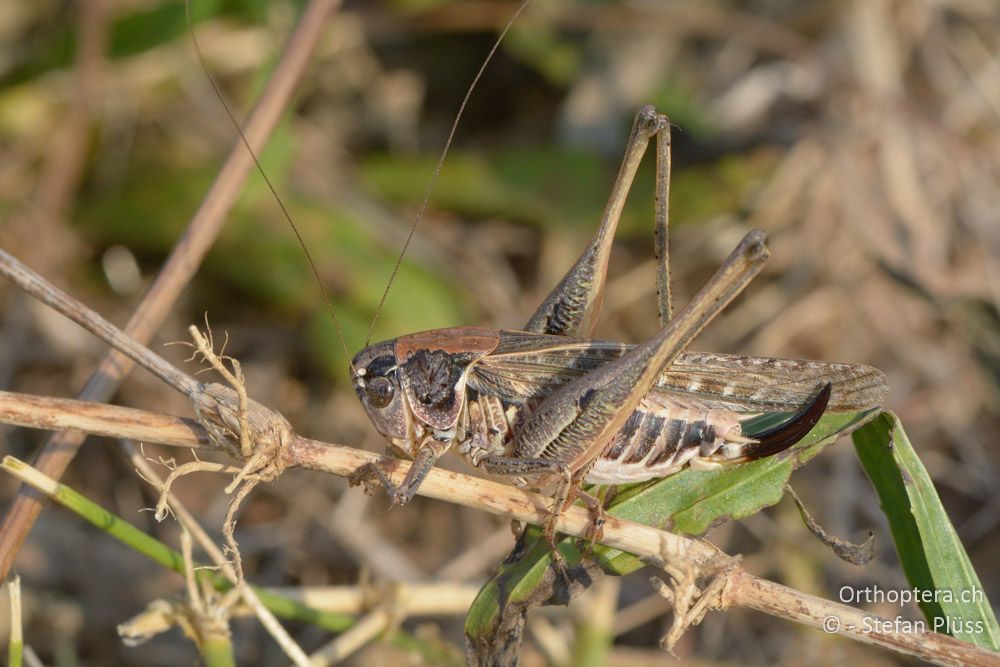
(863, 136)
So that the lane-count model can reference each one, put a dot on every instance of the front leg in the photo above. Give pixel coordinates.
(429, 452)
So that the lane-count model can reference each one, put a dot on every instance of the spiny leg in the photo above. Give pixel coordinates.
(595, 505)
(567, 490)
(516, 467)
(574, 305)
(402, 494)
(661, 215)
(572, 426)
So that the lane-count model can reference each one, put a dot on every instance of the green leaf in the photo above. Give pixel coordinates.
(933, 558)
(690, 502)
(526, 579)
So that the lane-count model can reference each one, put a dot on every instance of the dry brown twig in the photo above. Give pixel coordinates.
(689, 602)
(383, 608)
(230, 421)
(179, 268)
(203, 615)
(417, 599)
(243, 428)
(741, 589)
(261, 450)
(220, 415)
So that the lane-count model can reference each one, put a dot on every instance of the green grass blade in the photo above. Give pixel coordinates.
(15, 639)
(690, 503)
(217, 652)
(929, 550)
(131, 536)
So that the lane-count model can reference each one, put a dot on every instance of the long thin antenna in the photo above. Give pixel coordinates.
(270, 186)
(440, 163)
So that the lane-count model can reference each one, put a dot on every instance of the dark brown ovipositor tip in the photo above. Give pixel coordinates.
(783, 436)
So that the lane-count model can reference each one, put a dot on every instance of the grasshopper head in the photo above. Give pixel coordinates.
(415, 385)
(376, 381)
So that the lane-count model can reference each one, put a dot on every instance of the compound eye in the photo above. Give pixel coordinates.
(380, 391)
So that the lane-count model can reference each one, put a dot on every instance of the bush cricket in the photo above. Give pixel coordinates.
(549, 405)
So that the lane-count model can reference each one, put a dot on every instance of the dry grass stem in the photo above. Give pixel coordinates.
(68, 306)
(176, 472)
(50, 413)
(689, 600)
(743, 589)
(417, 599)
(145, 470)
(180, 266)
(552, 640)
(224, 412)
(216, 609)
(205, 346)
(262, 447)
(862, 137)
(371, 626)
(478, 559)
(191, 526)
(354, 530)
(641, 612)
(15, 641)
(247, 430)
(158, 617)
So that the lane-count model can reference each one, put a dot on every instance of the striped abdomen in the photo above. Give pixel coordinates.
(661, 437)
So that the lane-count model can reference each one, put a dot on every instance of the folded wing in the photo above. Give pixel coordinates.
(526, 365)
